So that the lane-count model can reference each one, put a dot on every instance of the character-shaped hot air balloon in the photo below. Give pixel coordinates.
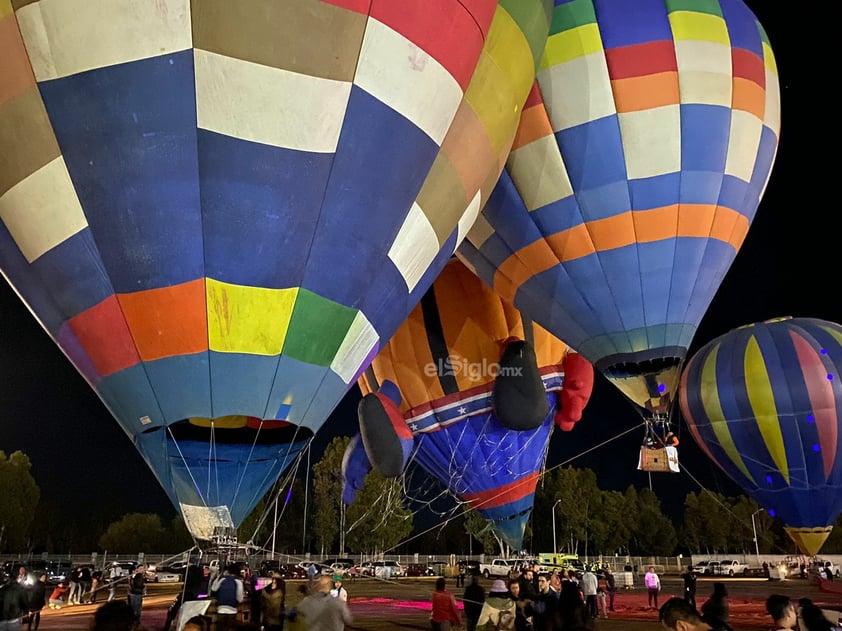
(219, 209)
(765, 402)
(642, 155)
(470, 400)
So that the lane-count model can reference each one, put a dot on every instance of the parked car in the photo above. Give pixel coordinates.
(420, 569)
(392, 568)
(164, 574)
(826, 567)
(730, 567)
(268, 566)
(58, 571)
(702, 567)
(344, 562)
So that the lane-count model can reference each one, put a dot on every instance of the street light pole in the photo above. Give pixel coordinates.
(754, 530)
(555, 546)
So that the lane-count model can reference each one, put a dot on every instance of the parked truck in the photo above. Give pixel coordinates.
(498, 567)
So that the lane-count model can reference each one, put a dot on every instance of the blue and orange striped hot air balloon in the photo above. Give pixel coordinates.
(641, 158)
(219, 210)
(765, 403)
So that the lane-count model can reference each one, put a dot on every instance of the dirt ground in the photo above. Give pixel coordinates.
(404, 604)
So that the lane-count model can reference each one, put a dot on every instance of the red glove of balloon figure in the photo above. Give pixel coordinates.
(576, 391)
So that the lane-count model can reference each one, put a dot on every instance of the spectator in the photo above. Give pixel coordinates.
(56, 599)
(273, 604)
(572, 614)
(689, 586)
(716, 610)
(679, 615)
(137, 590)
(653, 586)
(14, 603)
(523, 607)
(114, 616)
(229, 592)
(589, 587)
(114, 574)
(610, 587)
(312, 571)
(498, 610)
(338, 591)
(323, 613)
(445, 614)
(782, 612)
(472, 601)
(37, 601)
(813, 619)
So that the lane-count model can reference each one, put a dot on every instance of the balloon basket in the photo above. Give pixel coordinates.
(658, 460)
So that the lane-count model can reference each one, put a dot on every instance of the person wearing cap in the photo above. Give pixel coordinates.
(338, 591)
(498, 610)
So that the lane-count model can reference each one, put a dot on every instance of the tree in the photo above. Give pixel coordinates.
(706, 522)
(377, 520)
(19, 495)
(327, 493)
(655, 533)
(613, 528)
(578, 497)
(136, 532)
(480, 529)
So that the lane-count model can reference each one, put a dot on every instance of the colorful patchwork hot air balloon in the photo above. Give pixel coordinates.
(765, 403)
(642, 155)
(218, 210)
(451, 381)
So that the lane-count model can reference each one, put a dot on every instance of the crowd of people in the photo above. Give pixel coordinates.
(680, 615)
(561, 600)
(534, 601)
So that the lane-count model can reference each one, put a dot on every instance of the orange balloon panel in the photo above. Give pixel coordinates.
(451, 342)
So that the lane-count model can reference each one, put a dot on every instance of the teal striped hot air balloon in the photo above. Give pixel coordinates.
(765, 403)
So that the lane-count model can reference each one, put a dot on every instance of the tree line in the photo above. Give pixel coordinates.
(385, 518)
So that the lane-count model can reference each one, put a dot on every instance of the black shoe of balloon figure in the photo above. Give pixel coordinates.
(519, 398)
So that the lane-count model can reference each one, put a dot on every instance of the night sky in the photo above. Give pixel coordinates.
(83, 462)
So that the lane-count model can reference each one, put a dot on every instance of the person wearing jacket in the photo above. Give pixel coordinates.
(37, 601)
(445, 614)
(229, 592)
(14, 604)
(322, 612)
(653, 586)
(498, 610)
(137, 590)
(472, 601)
(589, 587)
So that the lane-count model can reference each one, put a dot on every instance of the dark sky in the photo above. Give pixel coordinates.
(82, 460)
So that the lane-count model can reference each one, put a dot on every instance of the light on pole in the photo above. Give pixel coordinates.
(555, 547)
(754, 530)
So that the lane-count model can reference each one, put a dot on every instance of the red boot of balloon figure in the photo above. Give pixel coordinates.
(576, 391)
(385, 435)
(519, 398)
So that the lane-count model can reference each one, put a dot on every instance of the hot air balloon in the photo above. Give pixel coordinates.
(764, 402)
(641, 157)
(218, 210)
(443, 383)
